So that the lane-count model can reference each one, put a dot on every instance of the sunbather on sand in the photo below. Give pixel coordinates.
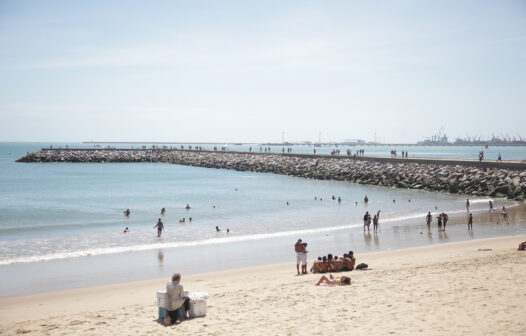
(339, 264)
(331, 281)
(349, 261)
(320, 266)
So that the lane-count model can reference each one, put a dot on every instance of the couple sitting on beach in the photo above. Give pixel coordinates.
(334, 264)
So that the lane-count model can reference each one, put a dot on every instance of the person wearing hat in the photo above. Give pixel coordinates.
(301, 256)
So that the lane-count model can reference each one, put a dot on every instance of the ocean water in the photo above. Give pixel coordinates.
(66, 219)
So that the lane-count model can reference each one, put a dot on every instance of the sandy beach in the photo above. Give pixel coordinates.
(466, 288)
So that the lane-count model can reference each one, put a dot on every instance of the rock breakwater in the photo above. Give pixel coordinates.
(469, 180)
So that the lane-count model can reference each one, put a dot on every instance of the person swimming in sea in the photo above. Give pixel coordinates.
(126, 230)
(126, 212)
(187, 207)
(163, 211)
(217, 229)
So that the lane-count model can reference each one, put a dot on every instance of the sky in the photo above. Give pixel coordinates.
(251, 71)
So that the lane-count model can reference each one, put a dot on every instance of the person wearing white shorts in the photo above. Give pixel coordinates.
(301, 256)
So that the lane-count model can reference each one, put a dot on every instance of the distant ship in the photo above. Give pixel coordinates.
(441, 139)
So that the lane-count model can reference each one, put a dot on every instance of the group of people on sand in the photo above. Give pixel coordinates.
(329, 263)
(367, 221)
(325, 264)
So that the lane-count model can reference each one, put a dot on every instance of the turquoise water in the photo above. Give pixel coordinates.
(52, 213)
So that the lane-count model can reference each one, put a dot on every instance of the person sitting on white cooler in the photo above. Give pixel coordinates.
(176, 298)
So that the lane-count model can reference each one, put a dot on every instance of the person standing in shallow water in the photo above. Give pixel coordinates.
(366, 220)
(445, 218)
(491, 206)
(429, 218)
(470, 222)
(467, 204)
(160, 227)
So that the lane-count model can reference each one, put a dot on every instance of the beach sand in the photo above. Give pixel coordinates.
(467, 288)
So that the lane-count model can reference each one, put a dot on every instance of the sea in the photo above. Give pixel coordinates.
(62, 224)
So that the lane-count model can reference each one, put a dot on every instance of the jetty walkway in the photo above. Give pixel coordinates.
(470, 177)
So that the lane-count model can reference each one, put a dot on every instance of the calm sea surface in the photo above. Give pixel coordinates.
(62, 217)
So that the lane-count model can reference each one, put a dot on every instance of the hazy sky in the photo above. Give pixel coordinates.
(250, 70)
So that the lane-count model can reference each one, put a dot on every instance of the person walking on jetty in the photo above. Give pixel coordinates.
(301, 256)
(470, 222)
(429, 218)
(160, 227)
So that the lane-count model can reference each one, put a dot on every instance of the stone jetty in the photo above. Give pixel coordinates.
(463, 177)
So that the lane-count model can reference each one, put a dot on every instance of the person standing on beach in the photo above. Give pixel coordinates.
(429, 218)
(470, 222)
(160, 227)
(467, 204)
(301, 256)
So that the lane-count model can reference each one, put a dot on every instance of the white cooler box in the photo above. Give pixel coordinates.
(162, 301)
(197, 308)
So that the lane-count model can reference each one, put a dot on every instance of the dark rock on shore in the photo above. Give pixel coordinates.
(494, 182)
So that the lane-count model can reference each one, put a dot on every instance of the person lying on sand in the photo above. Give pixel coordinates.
(331, 281)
